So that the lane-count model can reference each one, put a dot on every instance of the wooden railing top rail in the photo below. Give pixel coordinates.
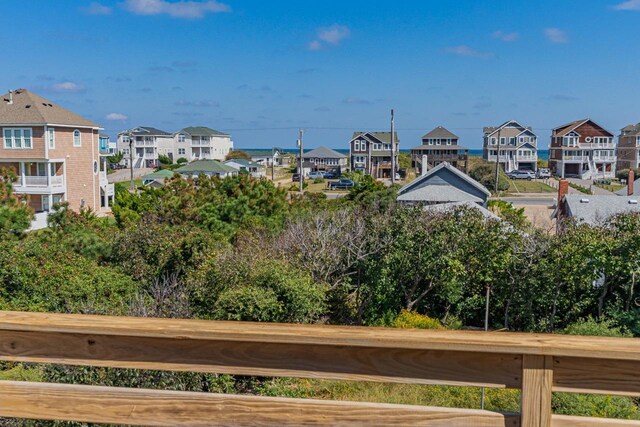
(467, 341)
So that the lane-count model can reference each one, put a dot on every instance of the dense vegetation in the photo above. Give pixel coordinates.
(242, 249)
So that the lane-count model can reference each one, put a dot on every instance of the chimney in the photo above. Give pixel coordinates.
(10, 97)
(563, 190)
(425, 166)
(630, 182)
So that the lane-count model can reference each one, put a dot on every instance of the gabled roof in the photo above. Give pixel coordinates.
(25, 107)
(631, 130)
(243, 162)
(565, 129)
(205, 166)
(490, 130)
(384, 137)
(201, 131)
(323, 153)
(595, 209)
(161, 174)
(440, 133)
(636, 189)
(145, 131)
(426, 188)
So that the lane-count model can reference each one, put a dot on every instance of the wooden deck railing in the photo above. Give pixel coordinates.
(535, 363)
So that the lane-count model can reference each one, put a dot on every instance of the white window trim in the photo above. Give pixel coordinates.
(79, 138)
(13, 139)
(49, 141)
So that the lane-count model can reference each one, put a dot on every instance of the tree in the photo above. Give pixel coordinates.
(164, 159)
(15, 214)
(237, 154)
(485, 173)
(115, 158)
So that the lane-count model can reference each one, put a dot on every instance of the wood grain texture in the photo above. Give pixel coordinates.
(600, 376)
(172, 408)
(472, 341)
(537, 381)
(265, 359)
(569, 421)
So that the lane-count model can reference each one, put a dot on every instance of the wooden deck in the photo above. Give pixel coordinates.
(535, 363)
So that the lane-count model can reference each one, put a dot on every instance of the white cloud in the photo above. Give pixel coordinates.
(628, 5)
(67, 87)
(181, 9)
(556, 35)
(464, 50)
(96, 8)
(116, 116)
(506, 37)
(332, 35)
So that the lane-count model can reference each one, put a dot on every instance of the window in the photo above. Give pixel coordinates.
(503, 140)
(494, 141)
(17, 138)
(181, 151)
(181, 138)
(77, 138)
(356, 145)
(51, 137)
(431, 142)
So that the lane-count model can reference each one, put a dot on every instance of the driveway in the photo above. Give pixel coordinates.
(122, 175)
(589, 184)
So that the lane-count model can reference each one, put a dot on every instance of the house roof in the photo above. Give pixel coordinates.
(440, 132)
(515, 130)
(206, 166)
(243, 162)
(259, 153)
(380, 136)
(324, 153)
(439, 185)
(161, 174)
(445, 207)
(27, 107)
(565, 129)
(636, 189)
(594, 209)
(202, 131)
(631, 130)
(146, 131)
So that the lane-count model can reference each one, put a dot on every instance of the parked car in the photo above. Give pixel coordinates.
(296, 177)
(316, 175)
(517, 174)
(342, 184)
(331, 175)
(543, 173)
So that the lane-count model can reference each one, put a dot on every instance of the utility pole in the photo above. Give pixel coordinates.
(131, 159)
(393, 161)
(498, 163)
(300, 143)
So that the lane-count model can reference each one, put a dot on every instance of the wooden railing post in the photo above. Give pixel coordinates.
(537, 382)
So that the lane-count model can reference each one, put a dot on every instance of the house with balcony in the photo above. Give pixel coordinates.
(371, 153)
(146, 143)
(629, 148)
(201, 143)
(268, 158)
(438, 146)
(54, 153)
(325, 159)
(106, 146)
(517, 146)
(582, 149)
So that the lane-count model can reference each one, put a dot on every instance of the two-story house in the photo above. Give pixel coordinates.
(371, 153)
(146, 143)
(200, 142)
(53, 151)
(518, 146)
(438, 146)
(629, 147)
(582, 149)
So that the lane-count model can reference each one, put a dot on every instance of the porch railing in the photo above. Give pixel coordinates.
(537, 364)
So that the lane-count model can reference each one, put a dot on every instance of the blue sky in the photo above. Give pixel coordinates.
(261, 69)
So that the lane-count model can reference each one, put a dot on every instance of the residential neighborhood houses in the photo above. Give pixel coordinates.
(371, 153)
(325, 159)
(438, 146)
(517, 146)
(54, 153)
(629, 147)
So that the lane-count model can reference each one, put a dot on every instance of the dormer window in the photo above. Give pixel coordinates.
(181, 138)
(77, 138)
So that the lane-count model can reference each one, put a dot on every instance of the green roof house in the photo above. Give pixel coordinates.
(206, 167)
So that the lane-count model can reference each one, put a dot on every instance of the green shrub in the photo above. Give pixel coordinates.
(182, 160)
(411, 320)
